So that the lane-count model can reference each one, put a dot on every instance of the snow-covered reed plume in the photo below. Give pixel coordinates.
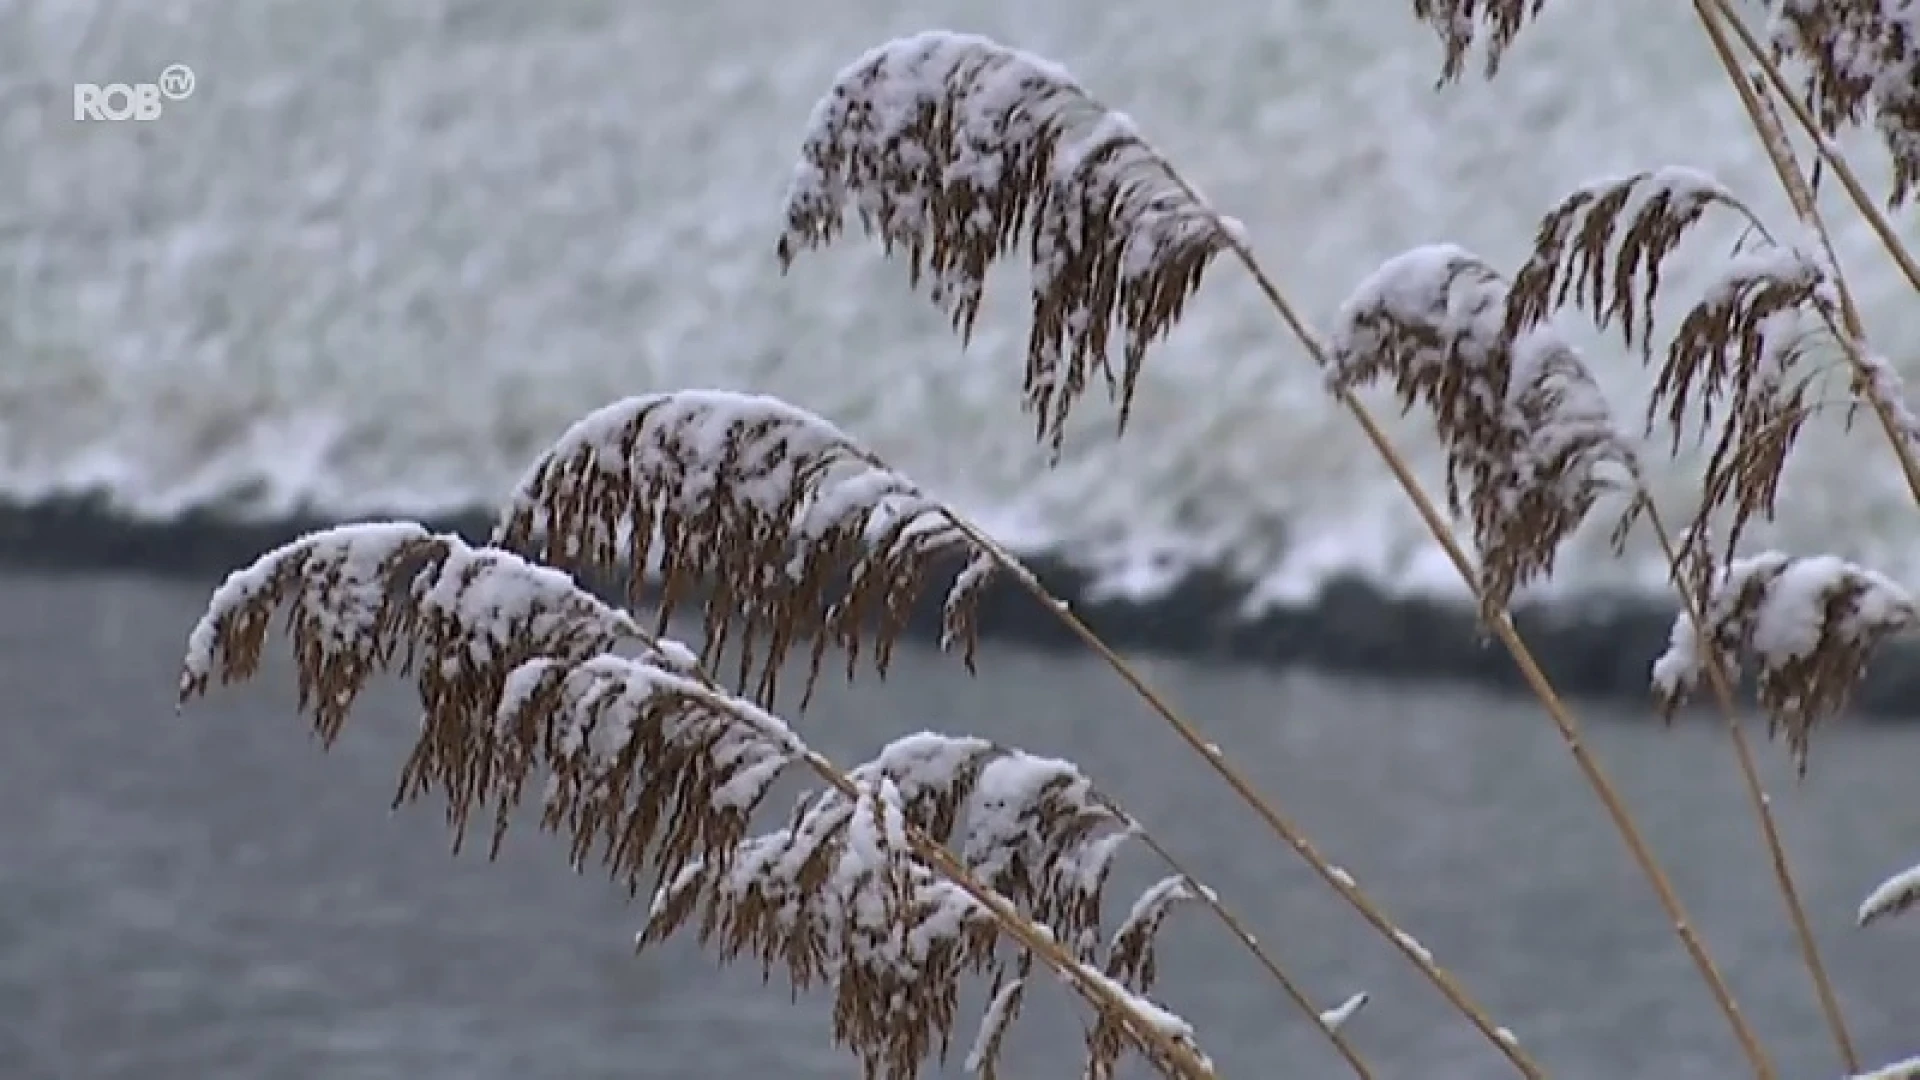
(1739, 354)
(1859, 58)
(792, 528)
(1525, 428)
(1032, 829)
(1894, 896)
(653, 769)
(952, 149)
(892, 882)
(1460, 24)
(1808, 625)
(519, 673)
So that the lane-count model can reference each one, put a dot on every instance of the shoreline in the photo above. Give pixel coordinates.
(1596, 648)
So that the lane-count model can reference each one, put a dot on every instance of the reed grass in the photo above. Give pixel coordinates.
(946, 858)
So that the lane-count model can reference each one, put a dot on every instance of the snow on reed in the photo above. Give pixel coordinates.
(651, 768)
(1525, 428)
(1807, 625)
(952, 149)
(810, 533)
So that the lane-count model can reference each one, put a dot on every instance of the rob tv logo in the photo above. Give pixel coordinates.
(132, 101)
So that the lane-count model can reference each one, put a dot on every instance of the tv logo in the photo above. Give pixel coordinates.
(139, 101)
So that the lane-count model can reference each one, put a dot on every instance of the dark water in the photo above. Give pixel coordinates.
(211, 898)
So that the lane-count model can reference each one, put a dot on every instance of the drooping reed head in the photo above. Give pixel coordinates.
(1032, 829)
(1807, 625)
(794, 530)
(952, 149)
(528, 683)
(1735, 372)
(1859, 58)
(518, 672)
(1526, 433)
(1459, 23)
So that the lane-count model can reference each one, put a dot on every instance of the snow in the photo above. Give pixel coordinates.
(1762, 264)
(1443, 286)
(357, 553)
(998, 824)
(687, 877)
(679, 440)
(1012, 100)
(1157, 1020)
(1337, 1017)
(925, 761)
(523, 684)
(1908, 1069)
(1792, 618)
(350, 591)
(1681, 186)
(1885, 385)
(1677, 670)
(936, 142)
(1876, 57)
(500, 600)
(602, 699)
(639, 481)
(1891, 896)
(1412, 944)
(1525, 426)
(1565, 415)
(993, 1024)
(676, 656)
(877, 835)
(1435, 316)
(965, 589)
(1151, 905)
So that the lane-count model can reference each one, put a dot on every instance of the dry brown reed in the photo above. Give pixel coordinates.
(889, 884)
(892, 882)
(1809, 624)
(1750, 333)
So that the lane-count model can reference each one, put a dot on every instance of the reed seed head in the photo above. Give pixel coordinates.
(794, 530)
(1807, 625)
(952, 149)
(1859, 58)
(1462, 23)
(528, 682)
(1525, 429)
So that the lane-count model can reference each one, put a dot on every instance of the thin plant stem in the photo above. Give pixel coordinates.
(1337, 879)
(1232, 922)
(1849, 177)
(1722, 683)
(1571, 734)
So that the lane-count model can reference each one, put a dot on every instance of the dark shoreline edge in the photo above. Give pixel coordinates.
(1596, 648)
